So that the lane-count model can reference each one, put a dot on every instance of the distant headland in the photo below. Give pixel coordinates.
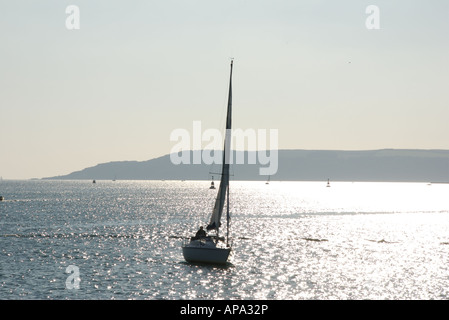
(386, 165)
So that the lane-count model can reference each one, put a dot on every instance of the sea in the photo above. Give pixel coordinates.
(121, 240)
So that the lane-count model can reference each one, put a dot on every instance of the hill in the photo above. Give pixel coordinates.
(395, 165)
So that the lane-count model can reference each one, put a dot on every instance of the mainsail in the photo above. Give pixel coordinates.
(223, 190)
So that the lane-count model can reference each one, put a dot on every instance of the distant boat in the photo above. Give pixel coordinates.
(208, 249)
(94, 181)
(1, 198)
(268, 180)
(212, 186)
(328, 183)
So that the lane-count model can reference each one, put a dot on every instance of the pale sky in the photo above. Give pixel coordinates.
(134, 71)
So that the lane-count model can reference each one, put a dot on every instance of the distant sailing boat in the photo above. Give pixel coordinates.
(328, 183)
(208, 249)
(268, 180)
(212, 185)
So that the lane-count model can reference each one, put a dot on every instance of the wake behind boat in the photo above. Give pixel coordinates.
(211, 249)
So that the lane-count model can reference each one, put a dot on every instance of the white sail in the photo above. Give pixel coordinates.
(223, 190)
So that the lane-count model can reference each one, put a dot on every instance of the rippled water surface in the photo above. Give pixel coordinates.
(292, 240)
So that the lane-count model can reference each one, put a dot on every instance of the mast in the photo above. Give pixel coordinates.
(228, 218)
(223, 190)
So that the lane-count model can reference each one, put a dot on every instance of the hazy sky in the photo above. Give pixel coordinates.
(134, 71)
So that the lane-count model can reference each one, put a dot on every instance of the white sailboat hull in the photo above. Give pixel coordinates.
(205, 253)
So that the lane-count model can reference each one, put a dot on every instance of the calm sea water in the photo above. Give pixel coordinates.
(292, 240)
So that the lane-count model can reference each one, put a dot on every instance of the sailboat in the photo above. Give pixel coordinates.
(210, 249)
(212, 185)
(268, 180)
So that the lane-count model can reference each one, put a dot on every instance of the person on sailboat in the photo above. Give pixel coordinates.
(200, 233)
